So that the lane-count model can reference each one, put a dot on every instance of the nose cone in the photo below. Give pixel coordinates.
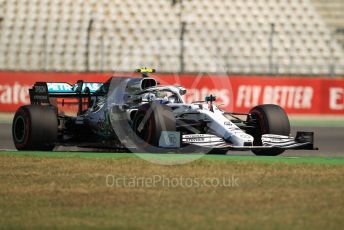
(240, 139)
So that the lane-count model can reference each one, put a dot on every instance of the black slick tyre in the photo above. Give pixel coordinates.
(150, 120)
(269, 119)
(35, 127)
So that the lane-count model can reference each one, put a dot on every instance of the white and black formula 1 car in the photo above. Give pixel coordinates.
(138, 114)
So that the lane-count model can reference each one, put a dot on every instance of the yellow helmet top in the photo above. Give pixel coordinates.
(145, 70)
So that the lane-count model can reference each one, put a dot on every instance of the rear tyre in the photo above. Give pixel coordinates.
(35, 128)
(156, 118)
(269, 119)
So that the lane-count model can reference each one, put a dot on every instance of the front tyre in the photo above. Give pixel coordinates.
(269, 119)
(150, 120)
(35, 127)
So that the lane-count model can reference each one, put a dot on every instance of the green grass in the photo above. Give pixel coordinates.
(70, 191)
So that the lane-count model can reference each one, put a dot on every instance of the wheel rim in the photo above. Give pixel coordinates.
(19, 129)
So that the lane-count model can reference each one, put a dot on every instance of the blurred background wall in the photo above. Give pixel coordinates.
(219, 36)
(273, 51)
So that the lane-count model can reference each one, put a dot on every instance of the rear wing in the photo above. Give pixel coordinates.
(41, 92)
(62, 87)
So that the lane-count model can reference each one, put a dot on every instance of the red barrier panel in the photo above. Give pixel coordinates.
(298, 95)
(333, 97)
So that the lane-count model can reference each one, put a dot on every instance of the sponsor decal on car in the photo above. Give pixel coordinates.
(60, 87)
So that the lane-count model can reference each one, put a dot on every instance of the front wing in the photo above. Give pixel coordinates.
(303, 140)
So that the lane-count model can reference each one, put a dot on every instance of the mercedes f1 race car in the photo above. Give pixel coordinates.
(138, 114)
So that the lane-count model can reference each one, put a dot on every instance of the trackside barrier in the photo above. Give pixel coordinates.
(297, 95)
